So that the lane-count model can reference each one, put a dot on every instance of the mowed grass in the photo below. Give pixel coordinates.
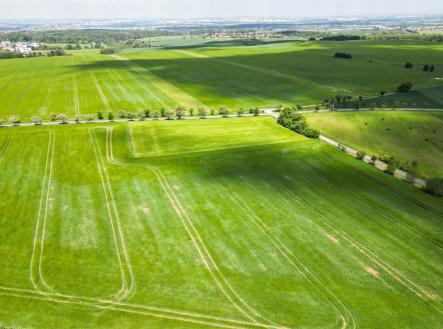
(209, 223)
(214, 74)
(408, 136)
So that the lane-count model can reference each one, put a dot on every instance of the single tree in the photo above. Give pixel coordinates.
(212, 111)
(122, 114)
(162, 112)
(155, 115)
(141, 115)
(89, 117)
(111, 116)
(36, 120)
(191, 112)
(256, 111)
(2, 121)
(169, 114)
(131, 116)
(223, 110)
(100, 115)
(202, 112)
(53, 116)
(15, 120)
(147, 113)
(426, 68)
(240, 111)
(299, 106)
(77, 118)
(62, 118)
(180, 112)
(431, 68)
(382, 92)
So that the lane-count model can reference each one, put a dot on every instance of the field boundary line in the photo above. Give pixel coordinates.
(201, 248)
(285, 251)
(19, 99)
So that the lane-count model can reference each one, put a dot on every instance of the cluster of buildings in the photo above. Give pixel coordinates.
(244, 35)
(21, 47)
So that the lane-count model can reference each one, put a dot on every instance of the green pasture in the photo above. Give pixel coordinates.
(407, 136)
(215, 73)
(230, 223)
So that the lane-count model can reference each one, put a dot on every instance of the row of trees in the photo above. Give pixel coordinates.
(169, 114)
(294, 121)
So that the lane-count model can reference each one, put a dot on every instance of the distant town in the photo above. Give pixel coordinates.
(19, 47)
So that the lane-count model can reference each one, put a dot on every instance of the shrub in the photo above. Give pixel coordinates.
(343, 55)
(434, 186)
(404, 87)
(299, 107)
(100, 115)
(360, 155)
(111, 116)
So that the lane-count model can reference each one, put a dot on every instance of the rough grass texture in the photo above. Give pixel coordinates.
(158, 225)
(215, 74)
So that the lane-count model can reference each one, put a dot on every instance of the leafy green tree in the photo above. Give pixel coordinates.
(256, 111)
(169, 114)
(426, 68)
(15, 120)
(62, 118)
(89, 117)
(111, 116)
(155, 115)
(299, 107)
(434, 186)
(2, 121)
(122, 114)
(223, 110)
(147, 113)
(77, 118)
(53, 116)
(202, 112)
(100, 115)
(36, 120)
(180, 112)
(382, 92)
(191, 112)
(431, 68)
(131, 116)
(240, 111)
(162, 112)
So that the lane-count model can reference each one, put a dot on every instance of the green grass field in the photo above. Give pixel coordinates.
(407, 136)
(214, 74)
(209, 223)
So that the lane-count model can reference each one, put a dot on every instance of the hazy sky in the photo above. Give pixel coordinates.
(212, 8)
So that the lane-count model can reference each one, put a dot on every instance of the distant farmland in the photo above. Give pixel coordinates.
(158, 225)
(213, 75)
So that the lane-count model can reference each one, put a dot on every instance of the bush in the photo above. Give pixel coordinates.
(107, 51)
(434, 186)
(343, 55)
(404, 87)
(360, 155)
(299, 107)
(100, 115)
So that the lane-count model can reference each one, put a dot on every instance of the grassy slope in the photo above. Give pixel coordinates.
(367, 131)
(266, 213)
(214, 74)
